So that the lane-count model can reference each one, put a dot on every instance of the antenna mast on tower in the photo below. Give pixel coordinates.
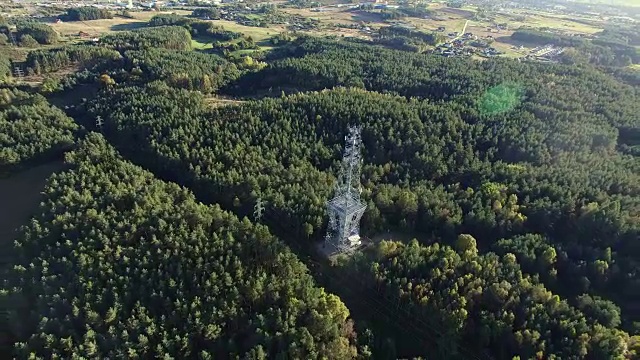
(346, 208)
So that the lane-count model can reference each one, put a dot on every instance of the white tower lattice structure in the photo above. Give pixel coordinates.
(346, 208)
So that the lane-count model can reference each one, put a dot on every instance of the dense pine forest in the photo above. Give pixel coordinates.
(188, 70)
(122, 265)
(87, 13)
(30, 128)
(168, 37)
(518, 181)
(488, 300)
(5, 67)
(45, 61)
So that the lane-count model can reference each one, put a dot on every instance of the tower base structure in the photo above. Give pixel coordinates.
(345, 212)
(345, 209)
(329, 251)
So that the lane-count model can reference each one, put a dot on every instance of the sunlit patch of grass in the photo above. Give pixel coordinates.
(502, 98)
(256, 33)
(197, 45)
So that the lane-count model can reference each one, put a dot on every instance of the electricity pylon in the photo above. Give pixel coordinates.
(258, 210)
(346, 208)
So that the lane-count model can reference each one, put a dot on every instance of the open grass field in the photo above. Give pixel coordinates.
(103, 26)
(258, 34)
(339, 32)
(339, 16)
(96, 27)
(9, 9)
(634, 3)
(198, 45)
(561, 22)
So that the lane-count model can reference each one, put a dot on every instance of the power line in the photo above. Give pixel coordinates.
(12, 38)
(99, 122)
(258, 210)
(18, 72)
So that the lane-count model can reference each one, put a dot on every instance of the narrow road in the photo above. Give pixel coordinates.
(464, 29)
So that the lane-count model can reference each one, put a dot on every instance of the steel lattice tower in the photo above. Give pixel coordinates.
(346, 208)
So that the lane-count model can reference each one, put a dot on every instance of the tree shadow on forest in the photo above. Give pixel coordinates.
(507, 39)
(128, 26)
(364, 16)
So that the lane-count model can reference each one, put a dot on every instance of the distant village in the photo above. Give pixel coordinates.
(466, 44)
(117, 5)
(457, 43)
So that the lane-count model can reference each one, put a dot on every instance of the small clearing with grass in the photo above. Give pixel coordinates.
(218, 101)
(258, 34)
(197, 44)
